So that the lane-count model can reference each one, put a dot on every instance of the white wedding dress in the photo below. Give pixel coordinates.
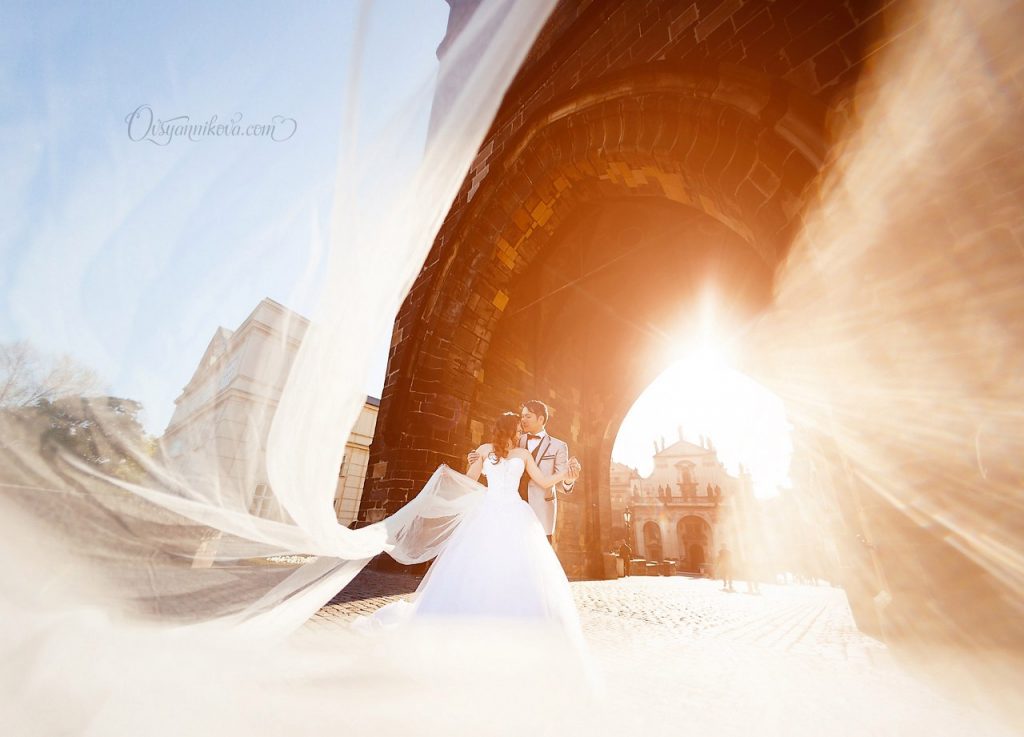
(496, 565)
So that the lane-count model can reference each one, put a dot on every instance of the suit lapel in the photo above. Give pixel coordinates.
(542, 448)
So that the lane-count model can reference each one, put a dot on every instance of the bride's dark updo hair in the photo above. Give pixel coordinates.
(505, 432)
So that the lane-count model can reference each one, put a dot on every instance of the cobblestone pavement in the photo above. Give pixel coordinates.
(802, 619)
(787, 661)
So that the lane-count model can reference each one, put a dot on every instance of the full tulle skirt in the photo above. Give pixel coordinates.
(497, 565)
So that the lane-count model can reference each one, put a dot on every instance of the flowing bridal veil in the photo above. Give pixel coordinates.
(147, 587)
(143, 519)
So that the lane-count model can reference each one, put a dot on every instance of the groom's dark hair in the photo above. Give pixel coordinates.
(538, 408)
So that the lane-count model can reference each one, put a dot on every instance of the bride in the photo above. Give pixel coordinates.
(497, 563)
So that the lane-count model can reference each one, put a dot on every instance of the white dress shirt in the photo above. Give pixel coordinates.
(532, 443)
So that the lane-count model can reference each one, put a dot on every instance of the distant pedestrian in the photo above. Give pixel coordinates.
(626, 554)
(723, 567)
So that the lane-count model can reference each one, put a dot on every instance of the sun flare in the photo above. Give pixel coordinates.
(701, 395)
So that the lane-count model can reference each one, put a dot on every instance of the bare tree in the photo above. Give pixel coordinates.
(27, 377)
(51, 405)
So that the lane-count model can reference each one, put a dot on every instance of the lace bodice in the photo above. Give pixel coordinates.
(503, 477)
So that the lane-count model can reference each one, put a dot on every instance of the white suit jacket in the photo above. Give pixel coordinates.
(553, 457)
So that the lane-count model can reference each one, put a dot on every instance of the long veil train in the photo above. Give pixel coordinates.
(142, 579)
(146, 526)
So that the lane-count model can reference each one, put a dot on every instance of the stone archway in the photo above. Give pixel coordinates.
(597, 315)
(610, 182)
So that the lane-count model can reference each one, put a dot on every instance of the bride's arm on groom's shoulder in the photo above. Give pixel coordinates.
(477, 466)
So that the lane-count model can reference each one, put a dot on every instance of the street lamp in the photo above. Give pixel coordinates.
(627, 517)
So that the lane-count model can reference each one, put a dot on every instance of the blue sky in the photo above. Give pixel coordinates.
(128, 255)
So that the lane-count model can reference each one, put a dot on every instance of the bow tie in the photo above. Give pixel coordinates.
(532, 437)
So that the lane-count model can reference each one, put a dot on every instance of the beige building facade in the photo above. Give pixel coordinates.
(688, 507)
(222, 418)
(353, 465)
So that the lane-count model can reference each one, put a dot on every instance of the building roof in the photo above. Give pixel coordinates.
(684, 448)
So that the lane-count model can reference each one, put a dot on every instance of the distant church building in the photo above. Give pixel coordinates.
(688, 507)
(223, 416)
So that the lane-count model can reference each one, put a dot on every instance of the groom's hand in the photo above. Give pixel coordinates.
(572, 473)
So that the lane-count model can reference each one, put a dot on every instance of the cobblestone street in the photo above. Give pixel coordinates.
(787, 661)
(796, 619)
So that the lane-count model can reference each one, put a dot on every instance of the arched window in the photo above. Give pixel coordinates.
(687, 478)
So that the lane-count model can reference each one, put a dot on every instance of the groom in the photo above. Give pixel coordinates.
(551, 454)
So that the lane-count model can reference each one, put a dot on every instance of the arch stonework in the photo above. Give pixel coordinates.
(642, 147)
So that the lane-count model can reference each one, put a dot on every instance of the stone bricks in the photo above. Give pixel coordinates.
(713, 20)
